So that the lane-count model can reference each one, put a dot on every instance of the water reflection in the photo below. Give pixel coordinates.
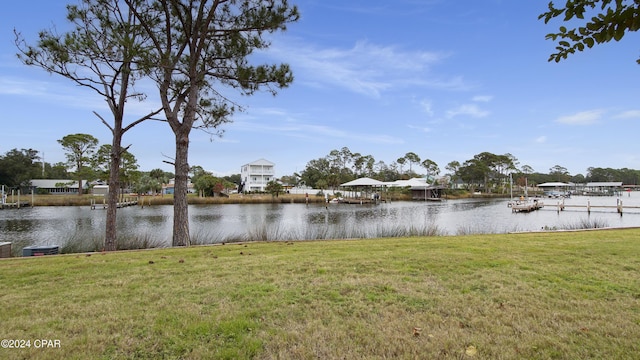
(203, 218)
(470, 204)
(217, 223)
(16, 225)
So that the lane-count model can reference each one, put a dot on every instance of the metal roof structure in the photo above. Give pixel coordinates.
(605, 184)
(365, 181)
(51, 183)
(556, 184)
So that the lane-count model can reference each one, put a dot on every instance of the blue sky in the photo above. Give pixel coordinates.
(443, 79)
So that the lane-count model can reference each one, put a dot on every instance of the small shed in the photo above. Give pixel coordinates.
(5, 249)
(100, 190)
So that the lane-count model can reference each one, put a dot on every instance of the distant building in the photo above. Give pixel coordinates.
(603, 188)
(168, 189)
(420, 189)
(57, 187)
(100, 189)
(256, 175)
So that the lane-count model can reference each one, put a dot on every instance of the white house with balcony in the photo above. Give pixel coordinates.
(255, 175)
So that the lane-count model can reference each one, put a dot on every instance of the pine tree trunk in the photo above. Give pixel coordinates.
(180, 205)
(111, 227)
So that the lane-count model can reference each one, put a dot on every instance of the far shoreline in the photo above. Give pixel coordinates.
(193, 199)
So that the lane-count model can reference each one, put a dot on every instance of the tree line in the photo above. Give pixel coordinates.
(86, 161)
(484, 171)
(89, 161)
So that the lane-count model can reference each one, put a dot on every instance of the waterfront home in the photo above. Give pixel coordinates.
(57, 187)
(168, 189)
(256, 175)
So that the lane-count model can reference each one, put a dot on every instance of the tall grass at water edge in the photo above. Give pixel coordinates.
(81, 242)
(86, 200)
(277, 232)
(85, 241)
(586, 223)
(581, 224)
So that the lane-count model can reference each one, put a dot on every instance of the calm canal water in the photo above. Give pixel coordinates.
(233, 222)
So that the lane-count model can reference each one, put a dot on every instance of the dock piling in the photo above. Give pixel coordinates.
(620, 207)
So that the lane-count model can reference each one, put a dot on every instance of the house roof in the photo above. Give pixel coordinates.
(51, 183)
(261, 162)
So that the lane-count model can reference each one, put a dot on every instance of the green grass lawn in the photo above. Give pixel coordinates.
(568, 295)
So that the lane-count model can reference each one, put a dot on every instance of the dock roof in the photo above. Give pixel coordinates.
(556, 184)
(365, 181)
(605, 184)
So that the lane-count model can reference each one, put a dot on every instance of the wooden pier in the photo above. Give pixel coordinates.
(15, 205)
(619, 207)
(126, 202)
(355, 201)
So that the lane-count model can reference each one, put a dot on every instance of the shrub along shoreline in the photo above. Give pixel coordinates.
(82, 200)
(531, 295)
(150, 200)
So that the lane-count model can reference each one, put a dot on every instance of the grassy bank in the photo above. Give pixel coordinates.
(573, 295)
(82, 200)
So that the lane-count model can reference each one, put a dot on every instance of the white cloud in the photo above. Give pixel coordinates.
(541, 139)
(631, 114)
(420, 128)
(482, 98)
(468, 109)
(582, 118)
(427, 107)
(292, 128)
(64, 92)
(365, 68)
(11, 86)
